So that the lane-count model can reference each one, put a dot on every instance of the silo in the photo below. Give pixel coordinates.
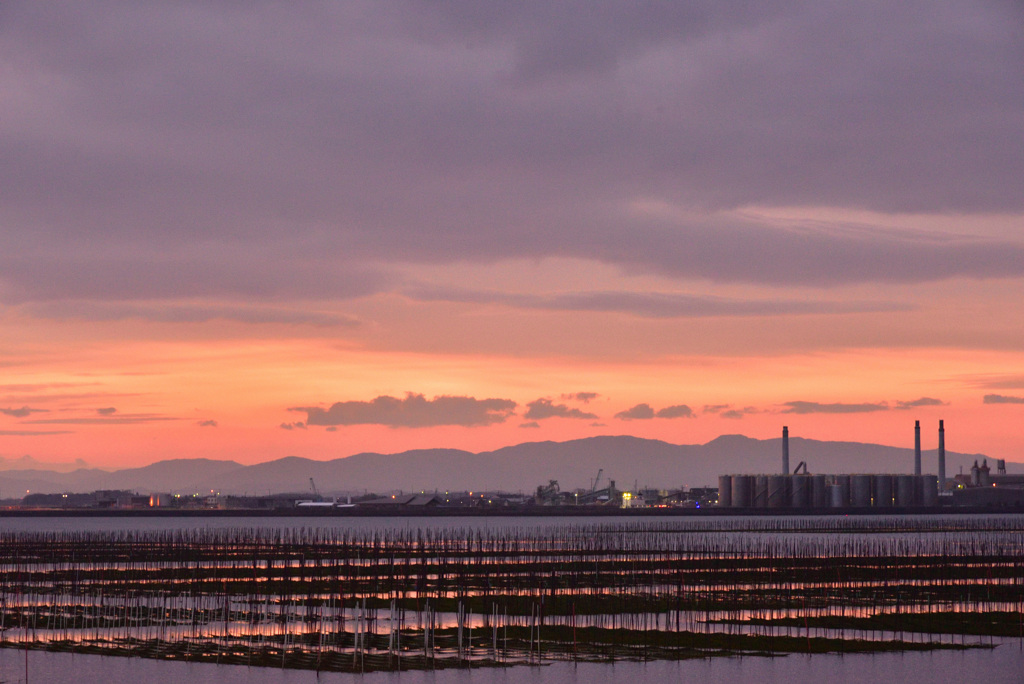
(839, 493)
(860, 491)
(906, 486)
(724, 491)
(777, 494)
(883, 491)
(819, 491)
(760, 491)
(742, 491)
(929, 490)
(800, 497)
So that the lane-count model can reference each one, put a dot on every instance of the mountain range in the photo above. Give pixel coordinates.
(631, 461)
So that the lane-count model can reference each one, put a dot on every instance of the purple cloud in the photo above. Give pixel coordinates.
(677, 411)
(923, 401)
(545, 408)
(1002, 399)
(496, 123)
(815, 407)
(585, 397)
(413, 411)
(22, 412)
(638, 412)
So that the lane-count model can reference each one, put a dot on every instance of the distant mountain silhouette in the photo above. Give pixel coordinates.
(628, 460)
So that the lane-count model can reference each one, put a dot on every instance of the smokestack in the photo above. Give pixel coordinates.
(917, 447)
(942, 457)
(785, 450)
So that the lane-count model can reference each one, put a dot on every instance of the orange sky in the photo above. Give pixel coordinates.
(248, 231)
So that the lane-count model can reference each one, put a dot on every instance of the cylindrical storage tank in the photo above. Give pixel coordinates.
(724, 491)
(883, 491)
(905, 491)
(800, 496)
(760, 491)
(929, 490)
(819, 491)
(742, 491)
(777, 491)
(860, 491)
(839, 493)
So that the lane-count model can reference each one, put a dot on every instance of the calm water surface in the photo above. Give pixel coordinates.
(1002, 665)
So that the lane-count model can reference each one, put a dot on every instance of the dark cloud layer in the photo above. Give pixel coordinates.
(254, 150)
(546, 408)
(413, 411)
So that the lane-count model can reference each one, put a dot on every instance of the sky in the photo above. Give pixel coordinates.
(248, 230)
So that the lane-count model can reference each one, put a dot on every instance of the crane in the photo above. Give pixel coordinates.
(312, 486)
(597, 479)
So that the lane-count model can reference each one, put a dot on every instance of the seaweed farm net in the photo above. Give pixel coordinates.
(344, 600)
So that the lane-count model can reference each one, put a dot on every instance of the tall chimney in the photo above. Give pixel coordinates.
(917, 447)
(942, 457)
(785, 450)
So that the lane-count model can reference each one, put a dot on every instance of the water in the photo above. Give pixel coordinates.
(1005, 663)
(1001, 665)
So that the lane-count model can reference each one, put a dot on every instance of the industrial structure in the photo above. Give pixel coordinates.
(801, 490)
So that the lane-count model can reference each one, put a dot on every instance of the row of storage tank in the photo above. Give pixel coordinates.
(827, 491)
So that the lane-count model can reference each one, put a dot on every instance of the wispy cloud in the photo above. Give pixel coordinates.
(729, 412)
(815, 407)
(585, 397)
(650, 304)
(173, 312)
(124, 419)
(1002, 399)
(207, 423)
(995, 381)
(33, 433)
(22, 412)
(413, 411)
(917, 403)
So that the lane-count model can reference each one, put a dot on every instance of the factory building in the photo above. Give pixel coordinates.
(982, 487)
(801, 490)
